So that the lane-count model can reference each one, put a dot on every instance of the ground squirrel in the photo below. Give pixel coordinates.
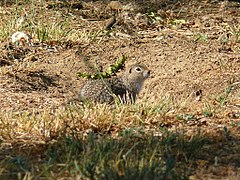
(125, 87)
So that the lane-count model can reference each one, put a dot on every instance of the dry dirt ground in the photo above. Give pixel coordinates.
(191, 47)
(197, 56)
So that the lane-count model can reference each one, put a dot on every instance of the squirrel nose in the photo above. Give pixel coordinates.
(146, 74)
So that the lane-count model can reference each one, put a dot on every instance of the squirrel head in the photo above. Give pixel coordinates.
(137, 72)
(135, 75)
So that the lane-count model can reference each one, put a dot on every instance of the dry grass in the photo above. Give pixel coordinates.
(95, 142)
(131, 141)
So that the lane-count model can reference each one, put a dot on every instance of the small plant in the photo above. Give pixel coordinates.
(110, 71)
(223, 39)
(235, 124)
(223, 98)
(154, 17)
(163, 106)
(177, 23)
(42, 33)
(235, 31)
(200, 37)
(208, 111)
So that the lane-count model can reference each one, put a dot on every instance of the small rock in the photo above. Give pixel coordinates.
(115, 5)
(21, 38)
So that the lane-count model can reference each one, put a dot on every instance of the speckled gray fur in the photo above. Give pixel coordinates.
(125, 87)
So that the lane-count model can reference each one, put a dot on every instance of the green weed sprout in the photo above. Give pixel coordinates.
(110, 71)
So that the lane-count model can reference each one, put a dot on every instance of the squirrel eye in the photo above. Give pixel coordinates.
(138, 69)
